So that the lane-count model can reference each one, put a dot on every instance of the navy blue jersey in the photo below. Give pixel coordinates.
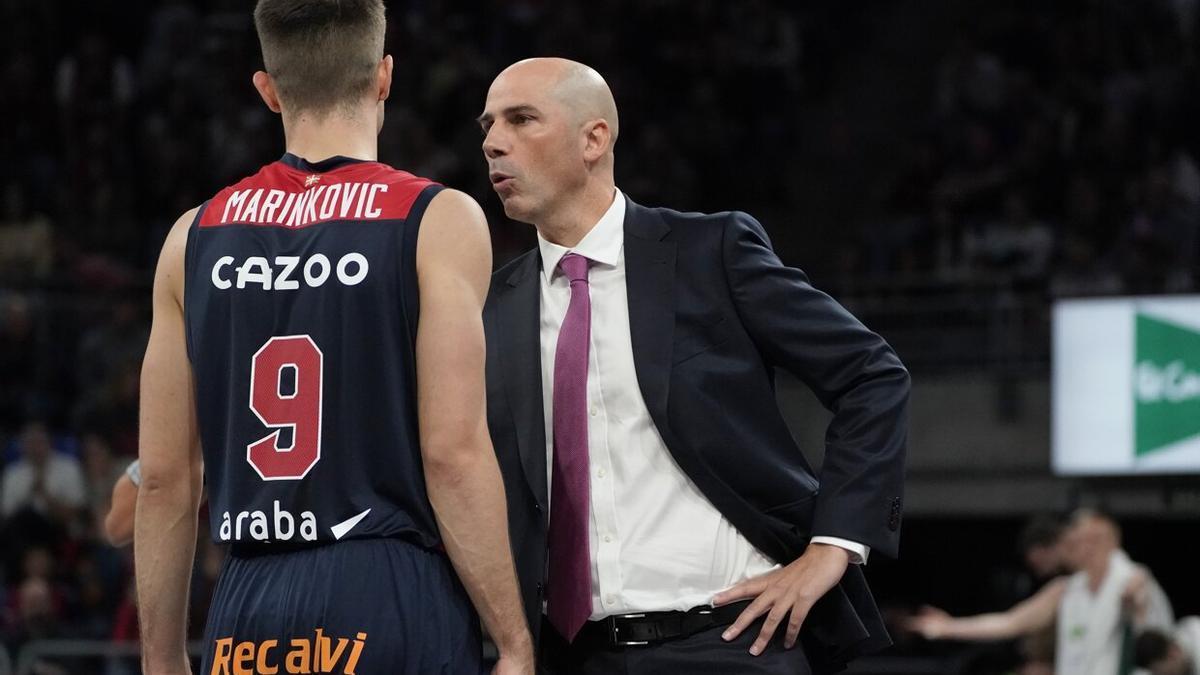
(301, 307)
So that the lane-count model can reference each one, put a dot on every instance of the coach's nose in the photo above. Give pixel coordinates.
(494, 144)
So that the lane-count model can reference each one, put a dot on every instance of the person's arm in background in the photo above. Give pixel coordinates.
(454, 264)
(118, 524)
(857, 376)
(1023, 618)
(168, 448)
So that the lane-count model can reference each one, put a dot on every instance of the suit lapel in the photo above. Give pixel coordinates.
(650, 283)
(521, 354)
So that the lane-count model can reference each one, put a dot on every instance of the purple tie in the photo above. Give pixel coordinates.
(569, 586)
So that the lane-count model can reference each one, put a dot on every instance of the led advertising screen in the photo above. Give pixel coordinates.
(1126, 386)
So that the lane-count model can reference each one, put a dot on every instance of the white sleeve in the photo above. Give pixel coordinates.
(858, 552)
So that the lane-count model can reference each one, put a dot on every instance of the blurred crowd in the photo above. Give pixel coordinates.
(62, 577)
(1057, 154)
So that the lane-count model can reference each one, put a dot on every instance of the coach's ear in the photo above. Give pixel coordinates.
(383, 77)
(266, 89)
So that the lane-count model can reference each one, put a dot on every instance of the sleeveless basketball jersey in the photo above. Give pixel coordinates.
(301, 308)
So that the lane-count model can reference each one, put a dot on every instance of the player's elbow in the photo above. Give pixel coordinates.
(166, 486)
(450, 452)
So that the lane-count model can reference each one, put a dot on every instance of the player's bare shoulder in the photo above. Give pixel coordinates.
(455, 230)
(169, 275)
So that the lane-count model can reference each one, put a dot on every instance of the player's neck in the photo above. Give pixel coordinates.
(318, 138)
(1096, 572)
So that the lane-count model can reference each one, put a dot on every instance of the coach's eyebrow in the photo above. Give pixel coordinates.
(524, 108)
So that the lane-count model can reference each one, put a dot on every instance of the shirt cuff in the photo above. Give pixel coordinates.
(858, 552)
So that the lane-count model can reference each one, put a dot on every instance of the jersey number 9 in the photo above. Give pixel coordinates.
(286, 392)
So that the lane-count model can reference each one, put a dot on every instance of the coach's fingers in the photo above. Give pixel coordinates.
(774, 617)
(753, 611)
(795, 621)
(750, 588)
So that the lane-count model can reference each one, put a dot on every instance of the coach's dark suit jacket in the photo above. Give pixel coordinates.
(712, 313)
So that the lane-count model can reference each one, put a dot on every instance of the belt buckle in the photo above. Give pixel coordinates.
(612, 631)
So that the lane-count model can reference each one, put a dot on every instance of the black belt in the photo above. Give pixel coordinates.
(650, 628)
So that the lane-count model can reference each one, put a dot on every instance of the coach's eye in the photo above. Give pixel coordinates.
(522, 119)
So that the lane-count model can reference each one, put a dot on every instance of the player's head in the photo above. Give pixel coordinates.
(549, 129)
(1159, 654)
(322, 56)
(1091, 536)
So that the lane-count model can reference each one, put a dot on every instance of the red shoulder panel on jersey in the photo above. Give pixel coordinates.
(283, 196)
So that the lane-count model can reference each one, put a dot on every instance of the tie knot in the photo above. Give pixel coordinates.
(574, 266)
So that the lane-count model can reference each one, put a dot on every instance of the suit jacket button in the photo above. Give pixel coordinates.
(540, 589)
(537, 507)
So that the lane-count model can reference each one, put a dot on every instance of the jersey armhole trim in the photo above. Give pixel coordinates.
(189, 259)
(412, 227)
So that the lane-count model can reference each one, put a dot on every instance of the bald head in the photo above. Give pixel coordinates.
(576, 86)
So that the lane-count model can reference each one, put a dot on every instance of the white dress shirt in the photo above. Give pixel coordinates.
(656, 542)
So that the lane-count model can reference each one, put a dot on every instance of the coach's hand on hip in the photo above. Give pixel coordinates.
(790, 592)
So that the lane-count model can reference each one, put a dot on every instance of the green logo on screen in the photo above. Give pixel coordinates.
(1166, 385)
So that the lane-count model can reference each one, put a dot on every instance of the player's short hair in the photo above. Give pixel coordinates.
(1150, 648)
(1040, 531)
(321, 54)
(1085, 513)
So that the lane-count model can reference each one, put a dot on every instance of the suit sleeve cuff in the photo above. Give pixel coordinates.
(858, 552)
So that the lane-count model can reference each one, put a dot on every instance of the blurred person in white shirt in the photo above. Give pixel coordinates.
(49, 482)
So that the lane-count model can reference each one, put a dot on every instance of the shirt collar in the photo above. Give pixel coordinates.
(601, 245)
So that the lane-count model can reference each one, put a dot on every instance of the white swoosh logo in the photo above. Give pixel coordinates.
(345, 526)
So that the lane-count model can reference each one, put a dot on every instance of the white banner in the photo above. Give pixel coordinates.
(1126, 386)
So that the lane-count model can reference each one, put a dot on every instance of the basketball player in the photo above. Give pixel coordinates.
(317, 330)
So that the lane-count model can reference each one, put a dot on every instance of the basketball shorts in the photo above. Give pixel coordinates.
(357, 607)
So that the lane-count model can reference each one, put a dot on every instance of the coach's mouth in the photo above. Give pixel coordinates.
(500, 181)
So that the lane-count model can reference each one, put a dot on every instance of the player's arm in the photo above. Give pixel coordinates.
(1025, 617)
(168, 447)
(118, 524)
(454, 262)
